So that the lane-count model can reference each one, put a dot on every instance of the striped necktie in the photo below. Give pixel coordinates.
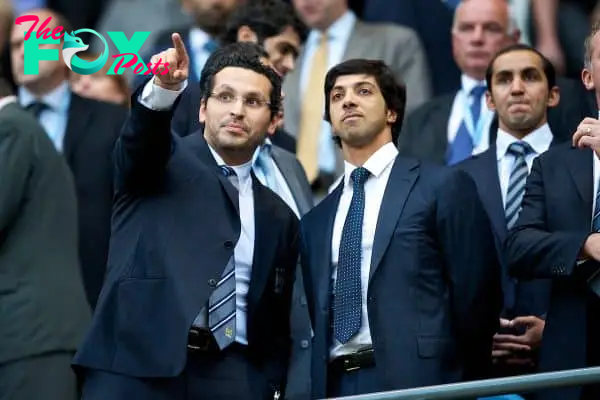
(596, 219)
(516, 182)
(222, 304)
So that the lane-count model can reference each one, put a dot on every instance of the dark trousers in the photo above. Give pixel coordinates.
(47, 376)
(361, 381)
(228, 376)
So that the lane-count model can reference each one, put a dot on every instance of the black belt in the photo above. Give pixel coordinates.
(352, 362)
(201, 341)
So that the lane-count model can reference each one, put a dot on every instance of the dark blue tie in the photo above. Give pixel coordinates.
(452, 4)
(596, 220)
(347, 302)
(516, 182)
(462, 146)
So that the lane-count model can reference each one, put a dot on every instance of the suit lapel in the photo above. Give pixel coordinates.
(439, 128)
(264, 234)
(321, 239)
(292, 181)
(402, 178)
(200, 148)
(357, 43)
(581, 168)
(485, 174)
(77, 122)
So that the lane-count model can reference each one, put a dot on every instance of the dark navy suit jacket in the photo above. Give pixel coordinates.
(434, 291)
(175, 225)
(545, 243)
(520, 297)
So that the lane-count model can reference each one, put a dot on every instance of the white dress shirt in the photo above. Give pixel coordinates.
(462, 102)
(380, 166)
(157, 98)
(539, 140)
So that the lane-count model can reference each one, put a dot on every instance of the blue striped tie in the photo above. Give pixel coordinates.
(221, 304)
(596, 219)
(516, 182)
(347, 302)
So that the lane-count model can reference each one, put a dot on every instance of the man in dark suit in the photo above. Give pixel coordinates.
(402, 299)
(557, 237)
(196, 302)
(84, 131)
(521, 87)
(452, 127)
(44, 311)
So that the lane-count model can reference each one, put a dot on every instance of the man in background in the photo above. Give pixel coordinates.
(84, 132)
(44, 311)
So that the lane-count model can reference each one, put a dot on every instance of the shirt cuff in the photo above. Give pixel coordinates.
(157, 98)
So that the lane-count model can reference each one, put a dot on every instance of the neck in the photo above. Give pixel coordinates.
(335, 15)
(358, 155)
(43, 87)
(520, 133)
(476, 75)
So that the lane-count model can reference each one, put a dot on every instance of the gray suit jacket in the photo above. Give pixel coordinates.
(298, 383)
(399, 47)
(43, 307)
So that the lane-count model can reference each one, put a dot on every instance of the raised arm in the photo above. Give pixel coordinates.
(145, 144)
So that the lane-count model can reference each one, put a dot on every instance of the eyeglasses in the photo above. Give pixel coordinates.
(249, 101)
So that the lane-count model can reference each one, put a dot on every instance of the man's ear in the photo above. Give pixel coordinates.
(202, 111)
(554, 97)
(245, 34)
(489, 101)
(391, 117)
(586, 78)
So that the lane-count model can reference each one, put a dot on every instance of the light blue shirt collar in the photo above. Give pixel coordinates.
(539, 140)
(58, 99)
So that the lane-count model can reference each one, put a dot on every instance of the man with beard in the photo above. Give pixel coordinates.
(196, 300)
(201, 39)
(522, 87)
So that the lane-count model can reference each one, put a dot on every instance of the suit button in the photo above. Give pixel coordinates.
(212, 282)
(228, 244)
(303, 301)
(304, 344)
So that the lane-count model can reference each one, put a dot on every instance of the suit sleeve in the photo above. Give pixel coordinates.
(473, 270)
(144, 147)
(532, 250)
(16, 152)
(411, 67)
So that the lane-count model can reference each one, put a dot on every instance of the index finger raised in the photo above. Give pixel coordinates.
(178, 45)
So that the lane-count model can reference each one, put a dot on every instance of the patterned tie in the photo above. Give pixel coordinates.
(516, 182)
(347, 302)
(264, 167)
(221, 304)
(596, 220)
(36, 108)
(462, 146)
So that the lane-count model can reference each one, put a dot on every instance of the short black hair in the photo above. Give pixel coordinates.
(241, 55)
(547, 66)
(266, 18)
(393, 92)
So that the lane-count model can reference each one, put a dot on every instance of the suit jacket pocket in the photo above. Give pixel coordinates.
(433, 346)
(150, 326)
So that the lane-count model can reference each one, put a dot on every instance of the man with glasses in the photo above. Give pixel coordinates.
(196, 302)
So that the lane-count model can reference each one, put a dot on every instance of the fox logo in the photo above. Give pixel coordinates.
(73, 45)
